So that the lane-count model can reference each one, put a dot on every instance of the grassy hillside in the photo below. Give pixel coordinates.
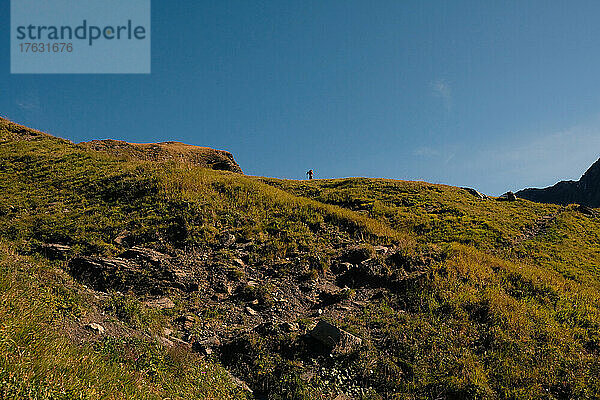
(39, 362)
(559, 238)
(452, 296)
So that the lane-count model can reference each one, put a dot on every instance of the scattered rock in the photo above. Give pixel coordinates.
(225, 287)
(186, 318)
(290, 327)
(341, 267)
(122, 237)
(206, 346)
(381, 249)
(226, 239)
(55, 251)
(333, 338)
(181, 343)
(161, 303)
(401, 259)
(329, 297)
(96, 328)
(165, 342)
(239, 263)
(265, 328)
(140, 270)
(187, 321)
(145, 254)
(356, 254)
(475, 193)
(508, 196)
(240, 383)
(219, 296)
(307, 287)
(251, 311)
(369, 272)
(167, 331)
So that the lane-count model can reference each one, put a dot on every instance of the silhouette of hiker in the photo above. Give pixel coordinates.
(310, 174)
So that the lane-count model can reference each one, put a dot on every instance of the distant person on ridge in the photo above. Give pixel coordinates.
(310, 174)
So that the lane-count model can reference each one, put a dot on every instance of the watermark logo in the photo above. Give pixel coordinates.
(80, 36)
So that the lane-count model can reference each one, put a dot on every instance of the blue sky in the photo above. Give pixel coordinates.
(494, 95)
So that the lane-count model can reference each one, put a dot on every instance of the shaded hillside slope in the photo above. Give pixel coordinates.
(201, 278)
(585, 191)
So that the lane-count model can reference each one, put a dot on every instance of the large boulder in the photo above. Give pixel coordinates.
(475, 193)
(356, 254)
(55, 251)
(204, 157)
(508, 196)
(334, 339)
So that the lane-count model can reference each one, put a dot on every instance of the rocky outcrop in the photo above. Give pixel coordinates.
(475, 193)
(508, 196)
(585, 191)
(333, 338)
(140, 270)
(55, 251)
(10, 131)
(167, 151)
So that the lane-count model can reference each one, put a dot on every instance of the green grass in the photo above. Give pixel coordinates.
(444, 214)
(433, 213)
(490, 317)
(483, 327)
(37, 362)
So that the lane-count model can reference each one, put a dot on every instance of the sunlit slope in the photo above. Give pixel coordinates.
(562, 238)
(453, 296)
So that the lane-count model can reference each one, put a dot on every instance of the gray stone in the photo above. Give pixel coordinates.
(227, 239)
(334, 338)
(165, 342)
(381, 249)
(96, 328)
(206, 346)
(225, 287)
(586, 210)
(145, 254)
(239, 383)
(290, 326)
(181, 343)
(161, 303)
(122, 237)
(187, 321)
(475, 193)
(342, 267)
(508, 196)
(239, 263)
(55, 251)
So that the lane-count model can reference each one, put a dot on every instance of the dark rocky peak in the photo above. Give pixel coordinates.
(585, 191)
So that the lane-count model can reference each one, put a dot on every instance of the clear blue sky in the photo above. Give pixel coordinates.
(494, 95)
